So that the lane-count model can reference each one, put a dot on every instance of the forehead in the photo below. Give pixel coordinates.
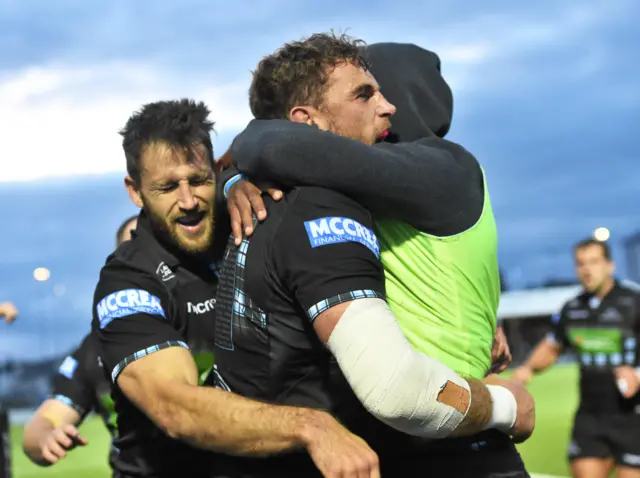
(346, 77)
(590, 251)
(162, 161)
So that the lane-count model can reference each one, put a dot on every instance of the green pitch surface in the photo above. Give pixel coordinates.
(545, 453)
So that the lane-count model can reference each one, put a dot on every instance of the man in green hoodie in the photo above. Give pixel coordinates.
(442, 280)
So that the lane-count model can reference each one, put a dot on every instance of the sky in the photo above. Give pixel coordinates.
(547, 96)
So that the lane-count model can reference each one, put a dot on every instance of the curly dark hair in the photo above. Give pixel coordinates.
(178, 123)
(297, 73)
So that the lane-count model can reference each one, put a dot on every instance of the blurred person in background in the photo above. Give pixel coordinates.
(154, 318)
(79, 388)
(443, 287)
(8, 312)
(602, 325)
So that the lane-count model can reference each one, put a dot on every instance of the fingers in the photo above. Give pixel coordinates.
(244, 206)
(53, 451)
(257, 204)
(73, 433)
(275, 194)
(62, 438)
(49, 456)
(236, 222)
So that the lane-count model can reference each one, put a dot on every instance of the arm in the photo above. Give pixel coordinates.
(52, 430)
(628, 375)
(326, 253)
(545, 353)
(164, 386)
(155, 370)
(417, 182)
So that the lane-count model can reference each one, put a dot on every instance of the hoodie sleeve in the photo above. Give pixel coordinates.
(420, 183)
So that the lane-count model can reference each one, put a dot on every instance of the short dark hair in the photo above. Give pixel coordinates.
(179, 123)
(296, 74)
(606, 250)
(121, 230)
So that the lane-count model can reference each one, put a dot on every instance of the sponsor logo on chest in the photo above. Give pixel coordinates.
(203, 307)
(332, 230)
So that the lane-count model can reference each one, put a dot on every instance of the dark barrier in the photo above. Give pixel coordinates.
(5, 446)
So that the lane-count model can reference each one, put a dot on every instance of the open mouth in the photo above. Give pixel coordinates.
(384, 134)
(191, 222)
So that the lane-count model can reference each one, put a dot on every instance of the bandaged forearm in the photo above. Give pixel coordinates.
(406, 390)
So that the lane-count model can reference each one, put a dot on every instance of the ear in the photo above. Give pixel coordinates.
(612, 268)
(302, 114)
(134, 191)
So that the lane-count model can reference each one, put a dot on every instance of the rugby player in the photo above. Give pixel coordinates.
(602, 325)
(310, 275)
(79, 387)
(154, 319)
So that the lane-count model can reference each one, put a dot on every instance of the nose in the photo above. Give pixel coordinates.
(186, 199)
(385, 108)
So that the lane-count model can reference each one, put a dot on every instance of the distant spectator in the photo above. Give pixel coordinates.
(8, 312)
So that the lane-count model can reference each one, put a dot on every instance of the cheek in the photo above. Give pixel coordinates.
(206, 193)
(160, 206)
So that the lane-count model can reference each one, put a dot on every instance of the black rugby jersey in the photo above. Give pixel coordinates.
(150, 298)
(81, 383)
(315, 250)
(604, 335)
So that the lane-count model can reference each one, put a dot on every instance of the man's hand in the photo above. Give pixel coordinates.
(55, 445)
(8, 311)
(522, 374)
(244, 199)
(526, 416)
(628, 381)
(340, 454)
(500, 354)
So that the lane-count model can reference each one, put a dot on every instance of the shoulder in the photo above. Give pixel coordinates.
(324, 216)
(125, 288)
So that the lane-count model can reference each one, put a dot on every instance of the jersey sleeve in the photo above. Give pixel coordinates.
(558, 332)
(325, 251)
(418, 182)
(72, 382)
(131, 318)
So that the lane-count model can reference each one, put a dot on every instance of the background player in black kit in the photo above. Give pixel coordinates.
(602, 325)
(79, 387)
(154, 311)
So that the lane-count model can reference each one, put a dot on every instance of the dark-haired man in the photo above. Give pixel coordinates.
(602, 325)
(310, 277)
(154, 317)
(79, 387)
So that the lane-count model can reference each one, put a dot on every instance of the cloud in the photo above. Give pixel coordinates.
(61, 121)
(61, 113)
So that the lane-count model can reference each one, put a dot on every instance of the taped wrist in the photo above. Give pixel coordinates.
(505, 409)
(406, 390)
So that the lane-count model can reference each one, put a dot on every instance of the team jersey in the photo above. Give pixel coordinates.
(150, 298)
(604, 335)
(434, 219)
(316, 250)
(445, 291)
(81, 383)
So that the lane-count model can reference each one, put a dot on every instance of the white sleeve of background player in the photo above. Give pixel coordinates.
(400, 387)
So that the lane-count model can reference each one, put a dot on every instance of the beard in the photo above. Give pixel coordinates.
(171, 232)
(349, 130)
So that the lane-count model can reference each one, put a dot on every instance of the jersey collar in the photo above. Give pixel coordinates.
(147, 236)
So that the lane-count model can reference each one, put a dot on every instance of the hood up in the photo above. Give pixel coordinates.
(410, 78)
